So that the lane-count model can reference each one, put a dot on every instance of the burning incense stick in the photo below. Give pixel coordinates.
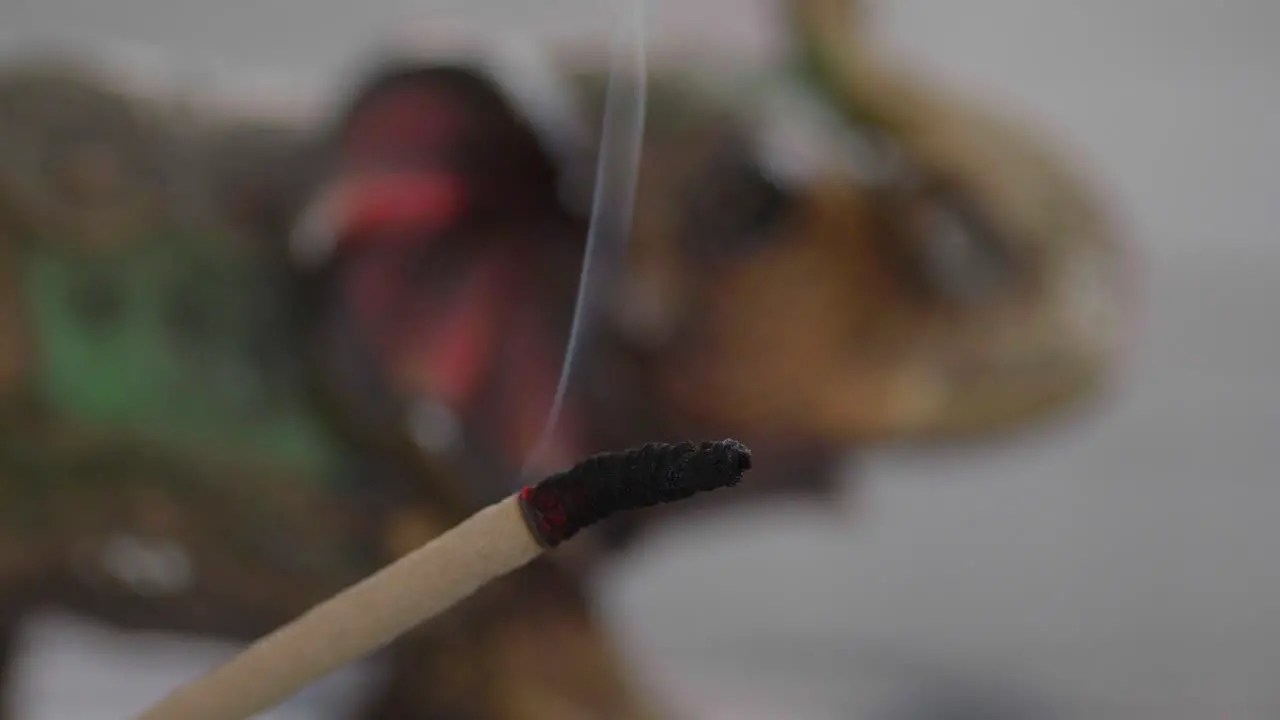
(431, 579)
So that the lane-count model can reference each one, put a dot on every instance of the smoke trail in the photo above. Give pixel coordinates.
(617, 169)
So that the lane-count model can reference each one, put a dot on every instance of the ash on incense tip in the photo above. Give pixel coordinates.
(561, 505)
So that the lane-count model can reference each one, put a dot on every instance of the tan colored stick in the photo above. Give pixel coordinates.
(431, 579)
(424, 583)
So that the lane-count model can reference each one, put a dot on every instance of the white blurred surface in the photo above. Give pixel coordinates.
(1125, 569)
(76, 670)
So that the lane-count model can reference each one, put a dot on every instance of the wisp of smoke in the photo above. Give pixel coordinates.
(617, 170)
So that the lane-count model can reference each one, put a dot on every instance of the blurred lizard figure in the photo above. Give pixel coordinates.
(913, 276)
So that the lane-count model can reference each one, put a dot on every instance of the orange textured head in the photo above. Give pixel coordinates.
(870, 260)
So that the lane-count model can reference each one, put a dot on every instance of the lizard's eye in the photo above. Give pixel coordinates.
(735, 208)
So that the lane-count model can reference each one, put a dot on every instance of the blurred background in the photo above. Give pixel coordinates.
(1122, 567)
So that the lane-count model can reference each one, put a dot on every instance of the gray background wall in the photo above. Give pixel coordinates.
(1124, 569)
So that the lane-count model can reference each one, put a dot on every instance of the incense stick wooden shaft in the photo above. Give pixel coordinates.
(360, 620)
(424, 583)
